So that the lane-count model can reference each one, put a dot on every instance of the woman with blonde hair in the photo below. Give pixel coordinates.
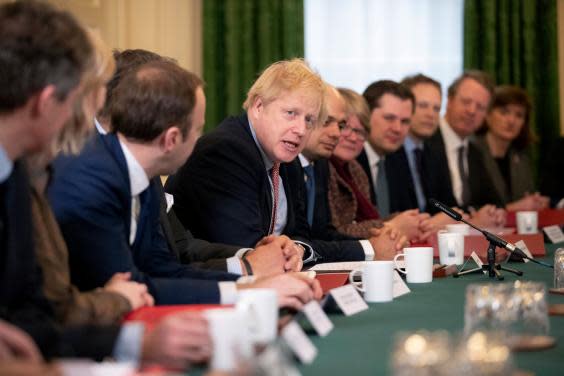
(108, 304)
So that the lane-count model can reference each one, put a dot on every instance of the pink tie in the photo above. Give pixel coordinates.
(275, 173)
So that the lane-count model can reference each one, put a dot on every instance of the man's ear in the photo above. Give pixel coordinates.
(257, 107)
(43, 100)
(170, 138)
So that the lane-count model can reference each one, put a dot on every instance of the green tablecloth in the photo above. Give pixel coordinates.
(362, 344)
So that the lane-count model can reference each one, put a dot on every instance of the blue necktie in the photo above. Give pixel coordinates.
(310, 187)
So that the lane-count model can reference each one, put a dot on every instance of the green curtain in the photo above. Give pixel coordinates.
(516, 42)
(241, 38)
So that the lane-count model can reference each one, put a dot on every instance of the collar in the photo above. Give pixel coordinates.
(373, 157)
(137, 177)
(451, 139)
(411, 144)
(6, 165)
(99, 127)
(267, 162)
(304, 161)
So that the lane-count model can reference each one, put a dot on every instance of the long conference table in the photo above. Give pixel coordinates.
(362, 344)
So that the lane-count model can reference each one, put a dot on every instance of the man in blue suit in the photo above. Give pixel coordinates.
(107, 202)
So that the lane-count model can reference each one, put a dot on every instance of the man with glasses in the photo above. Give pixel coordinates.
(468, 101)
(312, 168)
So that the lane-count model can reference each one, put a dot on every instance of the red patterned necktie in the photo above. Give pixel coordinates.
(274, 174)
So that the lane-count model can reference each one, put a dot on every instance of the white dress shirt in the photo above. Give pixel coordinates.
(373, 159)
(452, 143)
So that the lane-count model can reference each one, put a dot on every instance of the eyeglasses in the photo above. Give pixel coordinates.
(347, 130)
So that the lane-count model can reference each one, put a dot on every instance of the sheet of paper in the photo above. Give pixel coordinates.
(298, 341)
(554, 233)
(477, 260)
(318, 318)
(522, 246)
(338, 266)
(399, 286)
(348, 300)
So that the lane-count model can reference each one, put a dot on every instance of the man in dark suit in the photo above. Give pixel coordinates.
(468, 100)
(44, 54)
(414, 174)
(236, 188)
(181, 242)
(390, 106)
(313, 169)
(107, 202)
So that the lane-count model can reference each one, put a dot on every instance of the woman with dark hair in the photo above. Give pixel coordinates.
(504, 142)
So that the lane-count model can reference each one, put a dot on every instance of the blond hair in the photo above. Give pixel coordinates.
(287, 75)
(356, 105)
(90, 99)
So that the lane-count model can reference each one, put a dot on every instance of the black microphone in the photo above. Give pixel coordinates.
(445, 209)
(499, 242)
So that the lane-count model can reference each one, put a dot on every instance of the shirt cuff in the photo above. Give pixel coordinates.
(233, 263)
(129, 342)
(309, 254)
(227, 292)
(368, 250)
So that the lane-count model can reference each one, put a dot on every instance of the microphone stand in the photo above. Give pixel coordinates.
(492, 268)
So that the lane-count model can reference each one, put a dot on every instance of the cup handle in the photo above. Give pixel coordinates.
(396, 263)
(352, 274)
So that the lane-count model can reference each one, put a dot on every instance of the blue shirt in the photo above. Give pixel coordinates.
(282, 208)
(6, 165)
(410, 145)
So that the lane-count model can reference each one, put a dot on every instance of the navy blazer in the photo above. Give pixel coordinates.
(482, 189)
(402, 186)
(363, 160)
(22, 302)
(222, 194)
(91, 198)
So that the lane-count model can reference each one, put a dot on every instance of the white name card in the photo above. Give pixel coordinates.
(348, 300)
(399, 287)
(298, 341)
(523, 247)
(554, 233)
(477, 260)
(318, 318)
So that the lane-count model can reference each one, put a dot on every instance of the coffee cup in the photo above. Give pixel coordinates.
(261, 308)
(377, 281)
(451, 248)
(527, 222)
(418, 264)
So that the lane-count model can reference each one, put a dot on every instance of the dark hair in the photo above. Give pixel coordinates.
(126, 61)
(480, 77)
(39, 46)
(152, 98)
(378, 89)
(505, 95)
(412, 81)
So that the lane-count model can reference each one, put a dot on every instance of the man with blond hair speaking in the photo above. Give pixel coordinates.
(235, 188)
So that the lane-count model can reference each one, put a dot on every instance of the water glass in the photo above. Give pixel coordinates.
(421, 353)
(559, 268)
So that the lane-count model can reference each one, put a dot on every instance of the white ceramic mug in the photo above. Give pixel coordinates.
(261, 307)
(459, 228)
(230, 338)
(418, 264)
(377, 281)
(451, 248)
(527, 222)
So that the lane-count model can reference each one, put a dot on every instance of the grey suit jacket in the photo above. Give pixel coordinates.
(520, 172)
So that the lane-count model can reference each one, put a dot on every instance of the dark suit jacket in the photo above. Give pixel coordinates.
(482, 190)
(222, 194)
(321, 228)
(91, 199)
(21, 298)
(363, 160)
(551, 172)
(187, 249)
(402, 186)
